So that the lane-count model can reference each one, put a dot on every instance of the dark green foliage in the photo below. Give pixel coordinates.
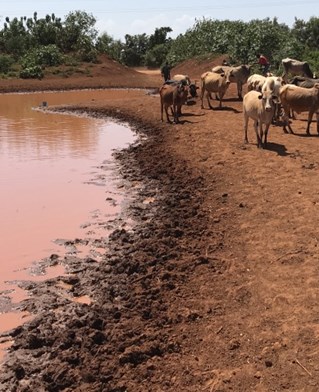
(5, 63)
(157, 55)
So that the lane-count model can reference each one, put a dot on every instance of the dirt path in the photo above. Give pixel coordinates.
(215, 288)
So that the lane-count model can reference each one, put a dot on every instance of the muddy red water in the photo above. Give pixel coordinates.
(50, 181)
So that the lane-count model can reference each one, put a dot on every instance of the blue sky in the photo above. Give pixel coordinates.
(121, 17)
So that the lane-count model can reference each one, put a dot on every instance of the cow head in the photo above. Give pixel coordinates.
(268, 100)
(228, 74)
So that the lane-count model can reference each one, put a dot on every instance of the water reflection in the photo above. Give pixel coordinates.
(47, 162)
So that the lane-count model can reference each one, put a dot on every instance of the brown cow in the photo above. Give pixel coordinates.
(173, 96)
(212, 82)
(299, 99)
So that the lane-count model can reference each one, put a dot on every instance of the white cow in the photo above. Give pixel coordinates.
(260, 108)
(274, 84)
(255, 82)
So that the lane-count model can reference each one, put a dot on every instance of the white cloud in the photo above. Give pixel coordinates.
(146, 25)
(182, 24)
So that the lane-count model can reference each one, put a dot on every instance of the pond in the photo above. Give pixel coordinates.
(50, 180)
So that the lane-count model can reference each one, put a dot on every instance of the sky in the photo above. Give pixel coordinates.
(120, 17)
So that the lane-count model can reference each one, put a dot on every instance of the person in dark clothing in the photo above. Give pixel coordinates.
(264, 64)
(166, 72)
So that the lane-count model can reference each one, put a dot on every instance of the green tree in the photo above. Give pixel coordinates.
(78, 30)
(106, 44)
(15, 38)
(157, 55)
(159, 37)
(44, 31)
(134, 49)
(307, 33)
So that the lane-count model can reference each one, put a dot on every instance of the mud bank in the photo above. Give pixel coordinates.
(122, 339)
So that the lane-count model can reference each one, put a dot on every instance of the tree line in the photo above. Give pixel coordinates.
(28, 45)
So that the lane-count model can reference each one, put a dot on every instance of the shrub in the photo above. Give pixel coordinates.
(33, 72)
(43, 56)
(5, 63)
(89, 56)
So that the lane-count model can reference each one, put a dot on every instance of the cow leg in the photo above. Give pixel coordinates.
(276, 116)
(246, 120)
(208, 100)
(310, 115)
(175, 109)
(257, 134)
(287, 124)
(161, 110)
(286, 120)
(220, 100)
(202, 98)
(317, 122)
(167, 116)
(261, 134)
(240, 90)
(266, 134)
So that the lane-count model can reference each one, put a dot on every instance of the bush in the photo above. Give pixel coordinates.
(5, 63)
(43, 56)
(89, 56)
(34, 72)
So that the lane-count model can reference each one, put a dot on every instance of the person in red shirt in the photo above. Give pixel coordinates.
(264, 63)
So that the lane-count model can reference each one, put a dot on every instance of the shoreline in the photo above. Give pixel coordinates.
(128, 275)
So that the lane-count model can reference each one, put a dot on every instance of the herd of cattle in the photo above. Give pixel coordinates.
(268, 98)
